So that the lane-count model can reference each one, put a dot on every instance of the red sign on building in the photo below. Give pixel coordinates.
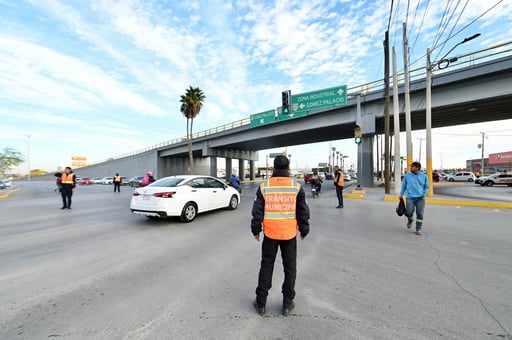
(500, 158)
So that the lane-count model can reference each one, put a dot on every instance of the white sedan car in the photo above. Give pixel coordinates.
(183, 196)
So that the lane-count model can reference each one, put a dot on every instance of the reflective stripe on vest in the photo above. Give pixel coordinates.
(279, 220)
(67, 179)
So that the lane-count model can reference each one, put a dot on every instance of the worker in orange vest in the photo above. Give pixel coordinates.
(117, 182)
(67, 186)
(339, 183)
(280, 210)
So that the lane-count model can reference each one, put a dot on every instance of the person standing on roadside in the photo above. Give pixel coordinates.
(117, 182)
(339, 183)
(280, 210)
(67, 186)
(415, 186)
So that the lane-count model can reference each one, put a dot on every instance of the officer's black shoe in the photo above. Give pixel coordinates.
(260, 309)
(64, 208)
(288, 308)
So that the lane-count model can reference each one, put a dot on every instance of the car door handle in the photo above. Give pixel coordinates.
(215, 191)
(194, 190)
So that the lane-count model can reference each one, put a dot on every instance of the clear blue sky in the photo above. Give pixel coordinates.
(103, 78)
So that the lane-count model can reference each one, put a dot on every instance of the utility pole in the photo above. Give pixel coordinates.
(396, 129)
(420, 139)
(407, 99)
(386, 114)
(484, 136)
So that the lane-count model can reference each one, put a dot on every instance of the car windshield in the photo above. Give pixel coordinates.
(167, 182)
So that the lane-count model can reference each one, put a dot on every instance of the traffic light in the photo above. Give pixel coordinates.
(358, 134)
(286, 102)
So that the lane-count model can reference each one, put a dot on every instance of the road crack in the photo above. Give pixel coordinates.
(506, 334)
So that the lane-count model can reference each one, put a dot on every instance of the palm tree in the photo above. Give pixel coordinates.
(191, 104)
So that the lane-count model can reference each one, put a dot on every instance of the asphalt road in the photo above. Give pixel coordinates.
(99, 272)
(498, 193)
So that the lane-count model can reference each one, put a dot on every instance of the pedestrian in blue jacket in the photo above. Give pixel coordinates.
(415, 186)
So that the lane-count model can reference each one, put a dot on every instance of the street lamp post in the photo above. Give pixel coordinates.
(28, 156)
(428, 103)
(333, 152)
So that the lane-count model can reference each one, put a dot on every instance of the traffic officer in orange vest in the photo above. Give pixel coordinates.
(339, 183)
(67, 186)
(117, 182)
(280, 210)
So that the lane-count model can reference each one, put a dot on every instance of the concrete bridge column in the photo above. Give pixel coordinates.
(229, 166)
(365, 162)
(241, 172)
(251, 170)
(213, 166)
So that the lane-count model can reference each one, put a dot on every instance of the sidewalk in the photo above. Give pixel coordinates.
(377, 192)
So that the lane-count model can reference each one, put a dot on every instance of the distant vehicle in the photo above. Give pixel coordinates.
(184, 196)
(96, 180)
(124, 180)
(85, 181)
(107, 180)
(496, 179)
(299, 175)
(329, 176)
(78, 178)
(347, 177)
(7, 183)
(443, 176)
(462, 177)
(2, 185)
(135, 181)
(307, 177)
(435, 177)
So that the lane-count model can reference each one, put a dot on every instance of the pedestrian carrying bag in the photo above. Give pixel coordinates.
(400, 209)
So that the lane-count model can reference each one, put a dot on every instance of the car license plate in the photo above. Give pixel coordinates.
(146, 197)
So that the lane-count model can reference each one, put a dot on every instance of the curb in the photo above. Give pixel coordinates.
(9, 192)
(484, 204)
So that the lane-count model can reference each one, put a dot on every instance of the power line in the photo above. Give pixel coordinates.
(419, 30)
(455, 25)
(441, 23)
(472, 22)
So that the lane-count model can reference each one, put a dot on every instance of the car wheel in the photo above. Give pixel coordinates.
(189, 212)
(488, 184)
(233, 203)
(451, 180)
(470, 179)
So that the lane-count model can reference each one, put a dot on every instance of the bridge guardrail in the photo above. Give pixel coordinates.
(363, 89)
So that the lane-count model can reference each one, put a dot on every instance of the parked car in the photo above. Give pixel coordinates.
(85, 181)
(2, 185)
(347, 177)
(107, 180)
(462, 177)
(135, 181)
(496, 179)
(184, 196)
(124, 180)
(96, 180)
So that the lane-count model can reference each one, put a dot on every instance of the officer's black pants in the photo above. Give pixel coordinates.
(66, 193)
(268, 257)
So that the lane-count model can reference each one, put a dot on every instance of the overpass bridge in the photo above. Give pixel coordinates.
(477, 89)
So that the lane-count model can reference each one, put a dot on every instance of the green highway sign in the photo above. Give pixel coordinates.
(315, 100)
(281, 116)
(263, 118)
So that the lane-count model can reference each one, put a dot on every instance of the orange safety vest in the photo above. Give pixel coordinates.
(117, 179)
(341, 180)
(67, 179)
(279, 219)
